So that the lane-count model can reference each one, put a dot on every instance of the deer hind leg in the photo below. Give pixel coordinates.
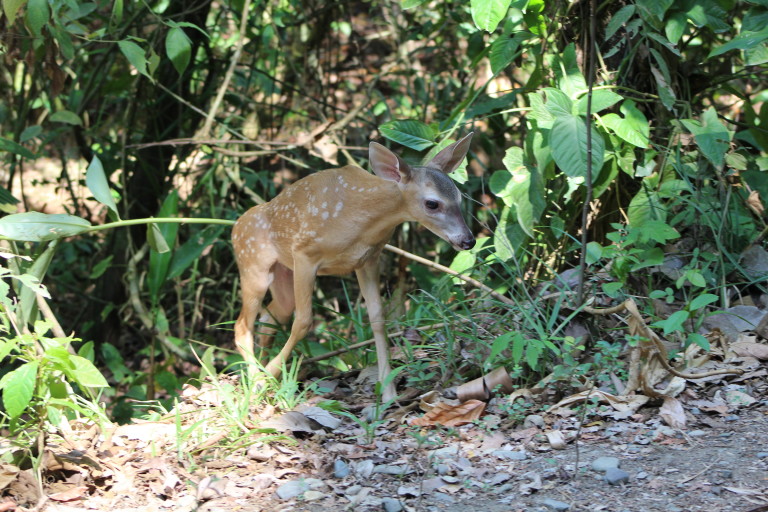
(279, 310)
(304, 272)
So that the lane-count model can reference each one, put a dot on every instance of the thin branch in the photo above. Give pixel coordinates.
(446, 270)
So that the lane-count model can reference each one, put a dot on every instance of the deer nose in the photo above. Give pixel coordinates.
(468, 243)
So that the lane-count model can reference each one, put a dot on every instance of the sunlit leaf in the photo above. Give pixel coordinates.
(40, 227)
(179, 48)
(410, 133)
(97, 183)
(488, 13)
(135, 55)
(18, 388)
(568, 138)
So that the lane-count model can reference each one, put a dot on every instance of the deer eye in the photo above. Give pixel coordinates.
(431, 205)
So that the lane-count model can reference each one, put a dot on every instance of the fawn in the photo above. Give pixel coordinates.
(333, 222)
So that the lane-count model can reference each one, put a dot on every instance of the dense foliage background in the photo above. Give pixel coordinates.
(201, 109)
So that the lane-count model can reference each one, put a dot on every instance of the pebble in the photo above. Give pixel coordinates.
(391, 469)
(603, 464)
(340, 469)
(313, 495)
(446, 453)
(616, 476)
(697, 433)
(292, 489)
(391, 505)
(731, 417)
(443, 469)
(762, 455)
(555, 505)
(510, 454)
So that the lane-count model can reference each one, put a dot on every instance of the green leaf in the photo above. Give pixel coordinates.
(558, 103)
(18, 388)
(15, 148)
(711, 135)
(656, 8)
(633, 127)
(410, 4)
(97, 183)
(617, 20)
(499, 345)
(410, 133)
(568, 139)
(463, 261)
(702, 300)
(135, 55)
(601, 100)
(612, 289)
(645, 206)
(11, 7)
(743, 41)
(179, 48)
(36, 273)
(191, 250)
(675, 27)
(66, 116)
(594, 253)
(503, 51)
(674, 322)
(524, 190)
(155, 239)
(698, 339)
(85, 373)
(159, 262)
(40, 227)
(38, 14)
(30, 132)
(488, 13)
(518, 347)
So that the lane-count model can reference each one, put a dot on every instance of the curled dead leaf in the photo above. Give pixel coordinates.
(482, 388)
(754, 203)
(451, 415)
(672, 412)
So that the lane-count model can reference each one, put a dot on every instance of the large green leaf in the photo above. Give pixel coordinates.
(85, 373)
(11, 7)
(135, 55)
(28, 293)
(15, 148)
(488, 13)
(179, 48)
(410, 133)
(159, 262)
(618, 19)
(18, 388)
(504, 50)
(601, 100)
(40, 227)
(520, 186)
(633, 127)
(711, 135)
(644, 207)
(38, 14)
(191, 250)
(743, 41)
(97, 183)
(568, 139)
(66, 116)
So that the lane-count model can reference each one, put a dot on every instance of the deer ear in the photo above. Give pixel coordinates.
(448, 159)
(388, 165)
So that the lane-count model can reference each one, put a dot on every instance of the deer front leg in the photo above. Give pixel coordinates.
(368, 277)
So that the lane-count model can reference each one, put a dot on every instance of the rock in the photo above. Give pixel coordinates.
(444, 469)
(340, 469)
(555, 505)
(603, 464)
(762, 455)
(510, 454)
(392, 469)
(697, 433)
(391, 505)
(533, 420)
(616, 476)
(446, 453)
(292, 489)
(311, 495)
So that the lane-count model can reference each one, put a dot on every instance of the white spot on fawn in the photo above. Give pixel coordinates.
(339, 206)
(325, 215)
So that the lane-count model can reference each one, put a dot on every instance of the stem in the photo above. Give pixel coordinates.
(161, 220)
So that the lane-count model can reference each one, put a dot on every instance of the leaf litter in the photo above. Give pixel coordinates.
(688, 433)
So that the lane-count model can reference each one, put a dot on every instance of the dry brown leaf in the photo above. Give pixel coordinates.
(8, 474)
(754, 203)
(451, 415)
(750, 349)
(74, 493)
(620, 403)
(672, 412)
